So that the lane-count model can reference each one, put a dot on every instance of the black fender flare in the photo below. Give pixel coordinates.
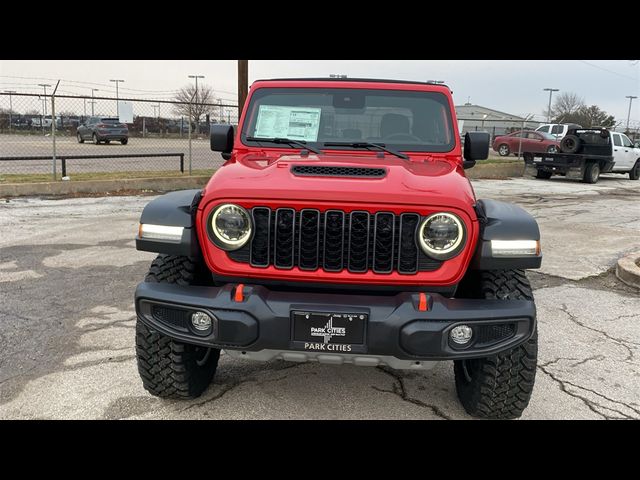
(504, 221)
(173, 209)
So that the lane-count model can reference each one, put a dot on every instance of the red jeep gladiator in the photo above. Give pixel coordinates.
(342, 229)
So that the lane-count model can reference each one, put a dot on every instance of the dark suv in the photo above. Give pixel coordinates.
(103, 129)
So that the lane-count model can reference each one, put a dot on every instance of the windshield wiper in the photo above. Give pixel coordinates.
(286, 141)
(367, 145)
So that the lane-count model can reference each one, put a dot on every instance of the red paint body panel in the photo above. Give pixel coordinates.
(426, 183)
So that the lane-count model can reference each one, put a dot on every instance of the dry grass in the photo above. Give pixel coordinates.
(76, 177)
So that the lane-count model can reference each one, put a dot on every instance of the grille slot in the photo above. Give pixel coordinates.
(260, 243)
(334, 240)
(309, 246)
(284, 238)
(326, 171)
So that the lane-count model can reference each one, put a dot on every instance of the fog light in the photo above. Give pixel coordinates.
(461, 334)
(201, 321)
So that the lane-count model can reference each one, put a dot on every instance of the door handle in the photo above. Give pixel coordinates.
(615, 149)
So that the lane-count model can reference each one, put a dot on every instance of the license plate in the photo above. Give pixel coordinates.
(329, 331)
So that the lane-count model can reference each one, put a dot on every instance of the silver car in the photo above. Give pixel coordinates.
(103, 129)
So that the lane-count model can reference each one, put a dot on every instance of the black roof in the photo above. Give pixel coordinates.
(349, 79)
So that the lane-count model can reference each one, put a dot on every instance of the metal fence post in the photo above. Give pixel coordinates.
(64, 166)
(189, 138)
(182, 163)
(53, 131)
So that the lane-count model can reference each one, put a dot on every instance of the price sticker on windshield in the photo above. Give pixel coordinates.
(297, 123)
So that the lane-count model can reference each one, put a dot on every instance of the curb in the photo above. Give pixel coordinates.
(490, 171)
(628, 271)
(102, 186)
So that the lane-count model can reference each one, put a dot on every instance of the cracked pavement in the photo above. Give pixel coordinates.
(68, 269)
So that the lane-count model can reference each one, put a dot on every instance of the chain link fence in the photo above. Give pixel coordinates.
(40, 135)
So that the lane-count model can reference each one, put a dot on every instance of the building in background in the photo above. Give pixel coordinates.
(479, 118)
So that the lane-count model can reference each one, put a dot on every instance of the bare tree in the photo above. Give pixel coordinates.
(201, 104)
(565, 105)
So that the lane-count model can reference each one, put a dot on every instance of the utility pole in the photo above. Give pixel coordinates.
(550, 90)
(93, 102)
(44, 86)
(630, 97)
(243, 84)
(196, 97)
(117, 97)
(10, 107)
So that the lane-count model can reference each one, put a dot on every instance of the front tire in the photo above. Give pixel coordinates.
(544, 175)
(169, 368)
(94, 137)
(499, 386)
(124, 141)
(79, 137)
(634, 173)
(503, 150)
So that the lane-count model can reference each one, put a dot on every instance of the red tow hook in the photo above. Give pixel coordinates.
(239, 294)
(423, 305)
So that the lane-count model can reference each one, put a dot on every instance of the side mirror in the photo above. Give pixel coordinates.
(476, 147)
(636, 145)
(221, 139)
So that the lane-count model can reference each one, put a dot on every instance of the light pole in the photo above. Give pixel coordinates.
(196, 97)
(44, 86)
(117, 106)
(10, 107)
(93, 102)
(550, 90)
(630, 97)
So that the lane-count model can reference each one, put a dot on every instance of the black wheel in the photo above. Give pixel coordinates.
(499, 386)
(94, 137)
(79, 137)
(124, 141)
(543, 174)
(169, 368)
(552, 149)
(503, 150)
(591, 173)
(107, 141)
(570, 144)
(634, 173)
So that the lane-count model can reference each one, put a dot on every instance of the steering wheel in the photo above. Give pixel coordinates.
(403, 135)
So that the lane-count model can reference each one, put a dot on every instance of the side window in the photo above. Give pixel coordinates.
(533, 136)
(557, 130)
(544, 129)
(616, 140)
(625, 141)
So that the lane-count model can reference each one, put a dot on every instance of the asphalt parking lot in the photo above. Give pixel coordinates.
(68, 269)
(36, 145)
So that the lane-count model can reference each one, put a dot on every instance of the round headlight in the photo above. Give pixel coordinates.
(441, 235)
(231, 226)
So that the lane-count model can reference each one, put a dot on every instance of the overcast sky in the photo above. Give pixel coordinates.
(512, 86)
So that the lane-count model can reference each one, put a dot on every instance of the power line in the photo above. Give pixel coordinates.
(610, 71)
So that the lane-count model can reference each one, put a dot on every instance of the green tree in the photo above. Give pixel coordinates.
(589, 117)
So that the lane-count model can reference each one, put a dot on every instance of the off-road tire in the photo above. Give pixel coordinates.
(169, 368)
(499, 386)
(634, 173)
(503, 150)
(591, 172)
(570, 144)
(543, 174)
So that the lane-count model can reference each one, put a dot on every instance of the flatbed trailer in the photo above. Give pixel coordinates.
(575, 166)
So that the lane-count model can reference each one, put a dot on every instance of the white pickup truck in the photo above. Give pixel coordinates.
(585, 153)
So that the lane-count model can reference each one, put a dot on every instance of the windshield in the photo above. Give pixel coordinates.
(402, 120)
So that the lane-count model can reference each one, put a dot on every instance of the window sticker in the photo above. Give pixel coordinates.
(296, 123)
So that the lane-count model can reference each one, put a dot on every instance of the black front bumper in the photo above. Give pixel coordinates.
(396, 326)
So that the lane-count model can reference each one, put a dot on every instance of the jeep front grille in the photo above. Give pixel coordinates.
(335, 240)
